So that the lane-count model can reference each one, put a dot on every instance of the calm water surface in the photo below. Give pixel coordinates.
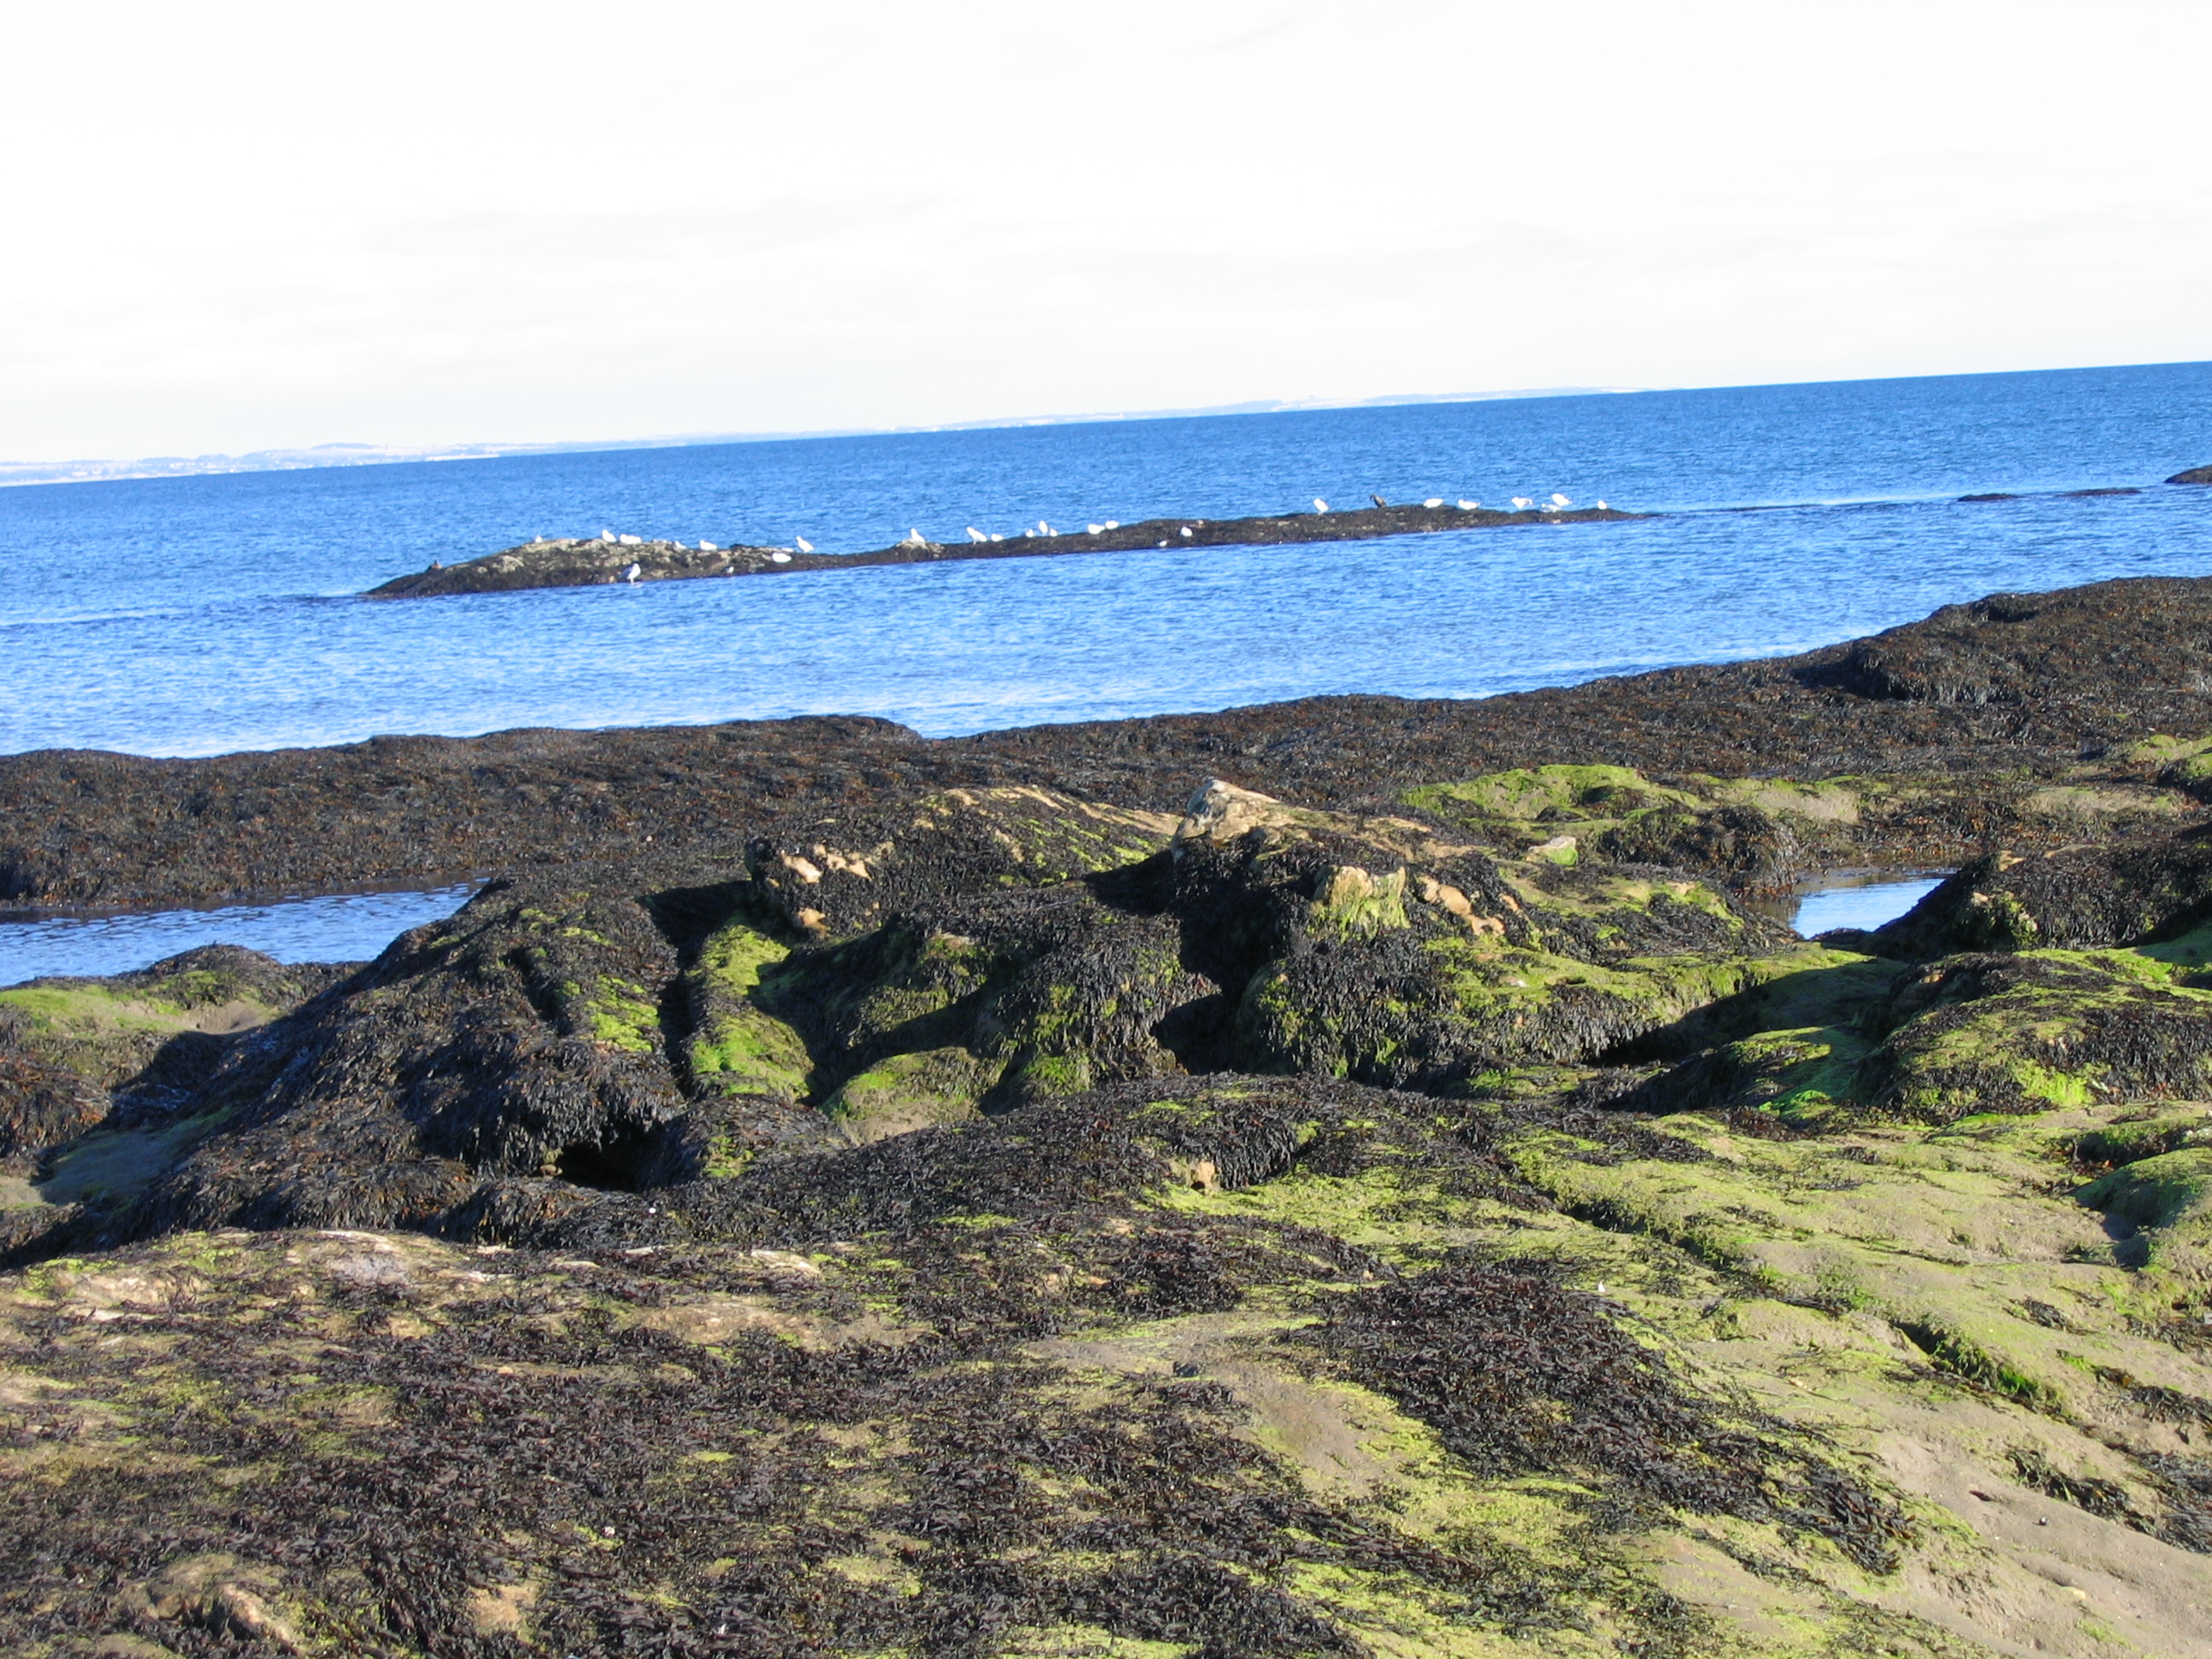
(336, 927)
(1865, 904)
(195, 615)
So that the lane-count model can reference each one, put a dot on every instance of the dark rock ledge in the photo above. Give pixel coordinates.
(839, 1193)
(598, 562)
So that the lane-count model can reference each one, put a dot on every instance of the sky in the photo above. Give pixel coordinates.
(242, 226)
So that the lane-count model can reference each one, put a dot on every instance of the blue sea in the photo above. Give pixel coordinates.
(193, 615)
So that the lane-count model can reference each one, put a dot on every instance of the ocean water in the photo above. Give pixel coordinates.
(1859, 904)
(331, 928)
(193, 615)
(199, 615)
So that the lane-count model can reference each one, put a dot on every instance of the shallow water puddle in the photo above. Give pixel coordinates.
(335, 927)
(1866, 904)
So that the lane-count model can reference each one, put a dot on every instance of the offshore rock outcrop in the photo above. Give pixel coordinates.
(600, 562)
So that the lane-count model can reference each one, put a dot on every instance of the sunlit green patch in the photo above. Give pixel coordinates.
(736, 1047)
(1581, 792)
(907, 1092)
(108, 1165)
(618, 1013)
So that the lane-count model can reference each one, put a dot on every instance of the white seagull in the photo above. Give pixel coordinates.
(632, 573)
(1093, 529)
(1185, 531)
(1601, 507)
(633, 541)
(1433, 502)
(1320, 505)
(914, 538)
(1522, 503)
(1559, 499)
(1468, 507)
(1044, 529)
(802, 543)
(975, 535)
(779, 557)
(708, 547)
(1112, 524)
(606, 535)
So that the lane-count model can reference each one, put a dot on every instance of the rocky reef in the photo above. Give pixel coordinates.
(2029, 718)
(603, 559)
(957, 1202)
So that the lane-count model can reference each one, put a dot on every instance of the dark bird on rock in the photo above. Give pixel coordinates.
(1379, 501)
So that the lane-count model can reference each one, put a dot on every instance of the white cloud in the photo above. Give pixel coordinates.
(239, 226)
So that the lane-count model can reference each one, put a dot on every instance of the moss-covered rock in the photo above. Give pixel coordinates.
(862, 868)
(736, 1047)
(1990, 1033)
(1752, 834)
(2157, 1191)
(907, 1092)
(2075, 898)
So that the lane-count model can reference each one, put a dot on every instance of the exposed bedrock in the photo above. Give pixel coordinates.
(2019, 720)
(981, 951)
(600, 562)
(998, 1220)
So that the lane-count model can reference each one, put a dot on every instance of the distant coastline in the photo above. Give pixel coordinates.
(353, 454)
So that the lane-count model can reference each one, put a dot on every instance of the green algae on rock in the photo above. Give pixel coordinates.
(961, 1215)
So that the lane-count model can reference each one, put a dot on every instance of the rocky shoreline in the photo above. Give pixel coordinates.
(609, 559)
(2013, 716)
(1351, 1178)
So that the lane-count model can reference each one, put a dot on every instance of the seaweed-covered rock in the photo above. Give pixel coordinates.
(158, 1027)
(986, 951)
(43, 1106)
(1792, 1073)
(77, 1053)
(1523, 1377)
(1267, 1365)
(2014, 1033)
(521, 1037)
(2074, 898)
(845, 875)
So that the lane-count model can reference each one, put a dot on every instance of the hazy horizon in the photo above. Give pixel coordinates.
(20, 473)
(371, 453)
(250, 227)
